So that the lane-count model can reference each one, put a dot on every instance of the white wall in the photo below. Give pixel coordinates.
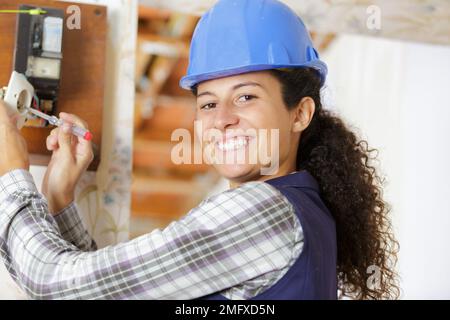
(398, 94)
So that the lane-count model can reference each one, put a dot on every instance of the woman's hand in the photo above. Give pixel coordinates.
(71, 157)
(13, 147)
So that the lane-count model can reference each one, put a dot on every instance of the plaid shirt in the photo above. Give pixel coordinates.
(239, 243)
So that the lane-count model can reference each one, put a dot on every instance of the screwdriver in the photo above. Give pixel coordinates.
(53, 120)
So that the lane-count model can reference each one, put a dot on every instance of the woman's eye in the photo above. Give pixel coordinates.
(245, 98)
(208, 106)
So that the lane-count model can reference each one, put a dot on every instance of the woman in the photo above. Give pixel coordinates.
(314, 226)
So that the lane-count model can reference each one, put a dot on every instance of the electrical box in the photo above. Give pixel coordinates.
(38, 55)
(65, 65)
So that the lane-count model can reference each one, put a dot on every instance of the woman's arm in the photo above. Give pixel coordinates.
(232, 237)
(70, 158)
(73, 230)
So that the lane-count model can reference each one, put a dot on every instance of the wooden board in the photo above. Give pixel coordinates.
(83, 70)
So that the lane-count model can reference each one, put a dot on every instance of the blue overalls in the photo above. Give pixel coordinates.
(313, 275)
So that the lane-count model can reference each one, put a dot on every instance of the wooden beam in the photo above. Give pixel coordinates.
(181, 47)
(155, 156)
(152, 13)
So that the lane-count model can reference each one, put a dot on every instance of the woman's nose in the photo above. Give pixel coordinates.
(225, 117)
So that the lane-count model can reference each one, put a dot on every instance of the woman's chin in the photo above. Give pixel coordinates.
(236, 172)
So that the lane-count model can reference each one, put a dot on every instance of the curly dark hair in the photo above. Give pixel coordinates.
(350, 188)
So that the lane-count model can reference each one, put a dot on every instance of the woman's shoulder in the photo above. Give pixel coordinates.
(252, 201)
(256, 193)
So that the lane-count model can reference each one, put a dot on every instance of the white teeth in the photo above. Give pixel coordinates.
(232, 144)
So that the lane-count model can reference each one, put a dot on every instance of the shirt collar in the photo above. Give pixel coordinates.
(299, 179)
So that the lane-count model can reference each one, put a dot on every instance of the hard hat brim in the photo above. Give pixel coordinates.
(187, 82)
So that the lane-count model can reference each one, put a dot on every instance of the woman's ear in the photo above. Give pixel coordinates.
(302, 114)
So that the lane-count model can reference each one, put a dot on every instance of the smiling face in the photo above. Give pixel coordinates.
(239, 107)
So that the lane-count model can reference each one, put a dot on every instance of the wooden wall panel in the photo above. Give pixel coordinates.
(83, 70)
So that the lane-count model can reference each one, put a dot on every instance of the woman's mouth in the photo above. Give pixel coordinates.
(232, 143)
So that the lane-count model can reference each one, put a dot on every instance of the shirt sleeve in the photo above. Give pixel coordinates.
(228, 239)
(73, 230)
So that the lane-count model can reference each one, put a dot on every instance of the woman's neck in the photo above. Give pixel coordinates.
(282, 171)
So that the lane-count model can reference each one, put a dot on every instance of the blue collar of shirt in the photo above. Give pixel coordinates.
(299, 179)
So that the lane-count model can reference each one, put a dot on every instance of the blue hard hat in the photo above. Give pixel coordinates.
(239, 36)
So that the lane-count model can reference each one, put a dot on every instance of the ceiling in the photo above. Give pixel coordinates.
(411, 20)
